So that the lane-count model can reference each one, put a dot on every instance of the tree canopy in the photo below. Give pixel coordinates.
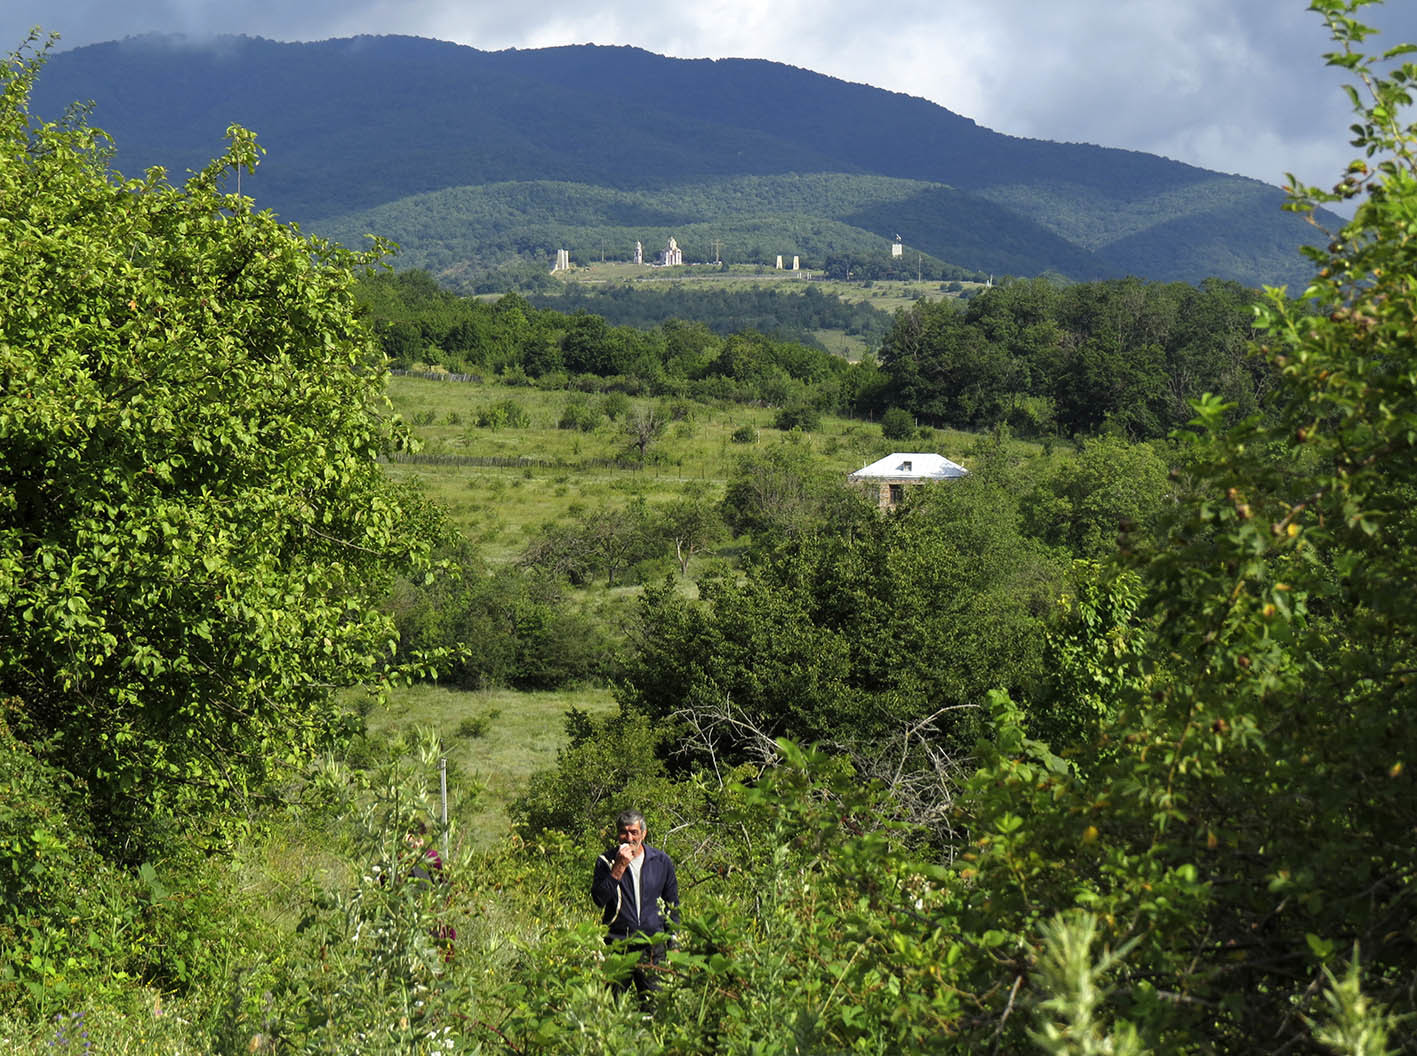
(193, 522)
(1244, 826)
(1121, 355)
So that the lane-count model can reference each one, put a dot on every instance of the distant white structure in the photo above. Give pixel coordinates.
(779, 262)
(796, 266)
(639, 252)
(563, 261)
(673, 255)
(897, 250)
(886, 479)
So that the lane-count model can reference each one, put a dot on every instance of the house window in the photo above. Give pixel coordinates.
(897, 493)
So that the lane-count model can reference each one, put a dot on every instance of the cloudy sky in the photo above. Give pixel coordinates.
(1231, 85)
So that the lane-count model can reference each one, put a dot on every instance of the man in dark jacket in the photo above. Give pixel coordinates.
(634, 885)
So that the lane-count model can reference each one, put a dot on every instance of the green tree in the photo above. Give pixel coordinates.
(1113, 486)
(780, 490)
(798, 414)
(1245, 829)
(691, 524)
(943, 369)
(193, 521)
(852, 637)
(898, 424)
(609, 540)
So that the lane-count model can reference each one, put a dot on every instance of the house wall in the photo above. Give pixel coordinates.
(879, 489)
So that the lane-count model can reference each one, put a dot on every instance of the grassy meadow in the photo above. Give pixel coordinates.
(500, 506)
(888, 295)
(498, 739)
(495, 741)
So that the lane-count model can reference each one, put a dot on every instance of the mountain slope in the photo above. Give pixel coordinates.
(363, 130)
(815, 215)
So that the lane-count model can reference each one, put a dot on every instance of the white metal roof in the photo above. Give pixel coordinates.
(910, 465)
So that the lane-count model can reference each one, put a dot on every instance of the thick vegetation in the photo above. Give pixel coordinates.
(1125, 357)
(420, 324)
(193, 522)
(1122, 356)
(791, 315)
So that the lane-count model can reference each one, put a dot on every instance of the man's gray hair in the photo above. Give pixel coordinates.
(630, 817)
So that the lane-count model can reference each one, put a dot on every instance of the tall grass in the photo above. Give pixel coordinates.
(495, 740)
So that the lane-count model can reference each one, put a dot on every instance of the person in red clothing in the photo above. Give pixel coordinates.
(635, 886)
(428, 867)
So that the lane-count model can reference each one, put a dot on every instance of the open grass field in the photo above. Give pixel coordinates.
(500, 506)
(496, 740)
(848, 346)
(888, 295)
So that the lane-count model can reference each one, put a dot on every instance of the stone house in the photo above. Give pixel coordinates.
(886, 479)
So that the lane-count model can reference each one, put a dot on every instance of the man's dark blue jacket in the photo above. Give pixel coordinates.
(616, 899)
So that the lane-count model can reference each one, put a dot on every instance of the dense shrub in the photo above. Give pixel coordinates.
(798, 415)
(579, 413)
(503, 414)
(898, 424)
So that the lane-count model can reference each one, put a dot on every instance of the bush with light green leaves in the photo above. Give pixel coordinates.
(193, 519)
(1243, 826)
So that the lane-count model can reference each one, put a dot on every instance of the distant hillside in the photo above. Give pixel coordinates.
(470, 158)
(819, 216)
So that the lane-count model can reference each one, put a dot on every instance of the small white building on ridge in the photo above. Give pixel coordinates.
(887, 478)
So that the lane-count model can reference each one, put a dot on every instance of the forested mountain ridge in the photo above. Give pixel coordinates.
(358, 129)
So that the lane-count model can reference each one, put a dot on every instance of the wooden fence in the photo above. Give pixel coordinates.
(514, 462)
(437, 375)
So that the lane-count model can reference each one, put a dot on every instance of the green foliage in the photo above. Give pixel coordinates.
(808, 924)
(369, 966)
(608, 764)
(193, 521)
(786, 314)
(898, 424)
(65, 914)
(1121, 356)
(1354, 1026)
(74, 928)
(1070, 1020)
(499, 628)
(1239, 826)
(1090, 657)
(607, 540)
(782, 491)
(942, 368)
(691, 525)
(849, 638)
(580, 414)
(1112, 488)
(504, 414)
(615, 405)
(798, 415)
